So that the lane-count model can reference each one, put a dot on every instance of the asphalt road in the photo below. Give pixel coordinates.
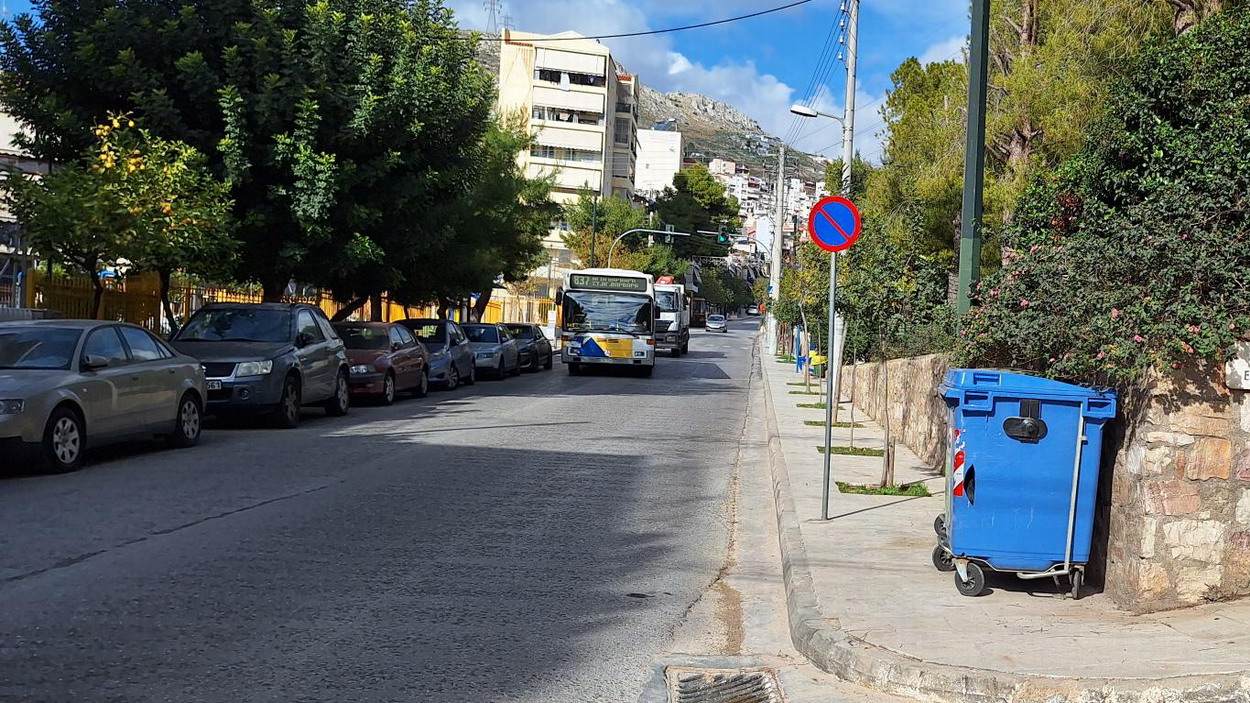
(533, 539)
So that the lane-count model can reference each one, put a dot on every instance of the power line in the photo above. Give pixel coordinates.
(668, 30)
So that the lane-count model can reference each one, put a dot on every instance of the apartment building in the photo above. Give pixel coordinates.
(583, 112)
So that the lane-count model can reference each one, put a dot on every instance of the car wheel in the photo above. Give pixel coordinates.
(516, 369)
(423, 388)
(551, 361)
(500, 373)
(533, 366)
(286, 415)
(341, 402)
(472, 377)
(188, 424)
(64, 439)
(388, 389)
(453, 378)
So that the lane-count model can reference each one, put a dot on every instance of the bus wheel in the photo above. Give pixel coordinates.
(575, 369)
(646, 371)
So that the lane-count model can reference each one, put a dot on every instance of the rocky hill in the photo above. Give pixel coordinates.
(712, 129)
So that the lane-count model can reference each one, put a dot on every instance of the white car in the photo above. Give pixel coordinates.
(717, 323)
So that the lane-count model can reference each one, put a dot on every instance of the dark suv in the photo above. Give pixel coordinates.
(268, 357)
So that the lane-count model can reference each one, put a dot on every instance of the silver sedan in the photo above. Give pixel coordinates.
(69, 384)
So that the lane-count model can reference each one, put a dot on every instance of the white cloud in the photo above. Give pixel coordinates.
(952, 48)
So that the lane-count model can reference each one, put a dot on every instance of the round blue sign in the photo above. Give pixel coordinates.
(834, 224)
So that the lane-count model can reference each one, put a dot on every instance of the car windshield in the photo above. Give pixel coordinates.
(37, 347)
(487, 335)
(585, 311)
(666, 300)
(371, 338)
(432, 333)
(242, 324)
(715, 318)
(521, 331)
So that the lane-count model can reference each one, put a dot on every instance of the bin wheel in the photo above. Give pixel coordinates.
(1078, 580)
(942, 559)
(975, 585)
(939, 525)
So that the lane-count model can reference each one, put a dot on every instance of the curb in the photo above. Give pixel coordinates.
(823, 641)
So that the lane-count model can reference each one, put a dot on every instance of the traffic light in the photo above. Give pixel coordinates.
(722, 236)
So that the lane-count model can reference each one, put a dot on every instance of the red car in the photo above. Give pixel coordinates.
(386, 359)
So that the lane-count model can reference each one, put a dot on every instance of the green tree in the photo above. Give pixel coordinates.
(610, 218)
(1133, 254)
(346, 128)
(131, 197)
(500, 232)
(697, 201)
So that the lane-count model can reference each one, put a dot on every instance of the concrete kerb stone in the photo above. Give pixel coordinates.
(822, 640)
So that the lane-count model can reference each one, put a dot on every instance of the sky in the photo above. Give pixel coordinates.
(762, 65)
(759, 66)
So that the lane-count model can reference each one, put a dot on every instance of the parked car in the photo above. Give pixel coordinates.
(385, 359)
(270, 358)
(534, 345)
(66, 385)
(450, 356)
(494, 348)
(717, 323)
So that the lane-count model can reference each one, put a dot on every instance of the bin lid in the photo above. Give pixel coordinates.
(1017, 383)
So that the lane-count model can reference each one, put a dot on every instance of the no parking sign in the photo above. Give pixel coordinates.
(834, 224)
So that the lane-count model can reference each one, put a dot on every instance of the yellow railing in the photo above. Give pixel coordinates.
(137, 299)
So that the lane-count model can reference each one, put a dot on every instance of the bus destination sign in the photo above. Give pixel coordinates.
(614, 283)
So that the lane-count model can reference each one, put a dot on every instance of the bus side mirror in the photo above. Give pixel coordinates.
(559, 297)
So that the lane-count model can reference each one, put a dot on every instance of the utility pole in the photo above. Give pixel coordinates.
(774, 277)
(974, 156)
(833, 368)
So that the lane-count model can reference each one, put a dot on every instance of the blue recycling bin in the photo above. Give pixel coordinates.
(1022, 476)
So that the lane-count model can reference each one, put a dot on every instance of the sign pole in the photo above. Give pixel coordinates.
(831, 401)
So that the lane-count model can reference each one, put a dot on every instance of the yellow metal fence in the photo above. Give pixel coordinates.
(136, 299)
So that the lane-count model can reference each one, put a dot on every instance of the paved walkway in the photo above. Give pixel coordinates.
(872, 578)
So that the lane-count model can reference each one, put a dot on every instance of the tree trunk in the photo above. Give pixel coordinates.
(166, 305)
(375, 308)
(97, 300)
(273, 291)
(483, 302)
(349, 309)
(1189, 13)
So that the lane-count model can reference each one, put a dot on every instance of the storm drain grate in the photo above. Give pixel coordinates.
(722, 686)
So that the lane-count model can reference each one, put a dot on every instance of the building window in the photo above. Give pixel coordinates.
(622, 134)
(558, 77)
(562, 154)
(559, 114)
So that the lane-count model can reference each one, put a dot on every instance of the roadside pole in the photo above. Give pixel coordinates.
(774, 272)
(974, 156)
(834, 383)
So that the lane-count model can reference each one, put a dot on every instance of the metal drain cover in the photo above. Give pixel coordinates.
(689, 685)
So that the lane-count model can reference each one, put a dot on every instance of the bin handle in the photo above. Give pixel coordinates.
(970, 485)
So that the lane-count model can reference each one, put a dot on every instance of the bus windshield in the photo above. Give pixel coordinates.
(586, 311)
(666, 300)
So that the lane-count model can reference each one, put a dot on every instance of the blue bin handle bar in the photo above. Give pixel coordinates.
(1076, 477)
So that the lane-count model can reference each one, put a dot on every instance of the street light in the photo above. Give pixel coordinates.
(805, 111)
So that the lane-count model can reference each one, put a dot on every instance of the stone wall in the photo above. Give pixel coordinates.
(1179, 503)
(917, 414)
(1173, 528)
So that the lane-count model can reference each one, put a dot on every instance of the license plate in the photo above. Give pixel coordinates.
(213, 385)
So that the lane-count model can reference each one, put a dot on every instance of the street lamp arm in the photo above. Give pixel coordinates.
(805, 111)
(616, 241)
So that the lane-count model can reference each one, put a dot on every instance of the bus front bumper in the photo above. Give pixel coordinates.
(566, 357)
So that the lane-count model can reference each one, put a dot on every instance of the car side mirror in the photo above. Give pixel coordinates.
(396, 346)
(91, 362)
(559, 297)
(303, 339)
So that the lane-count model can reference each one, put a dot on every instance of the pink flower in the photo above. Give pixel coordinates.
(1024, 303)
(1232, 325)
(1185, 236)
(994, 292)
(1102, 355)
(1138, 338)
(1193, 329)
(1115, 314)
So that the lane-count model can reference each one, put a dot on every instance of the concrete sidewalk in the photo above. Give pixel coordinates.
(866, 603)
